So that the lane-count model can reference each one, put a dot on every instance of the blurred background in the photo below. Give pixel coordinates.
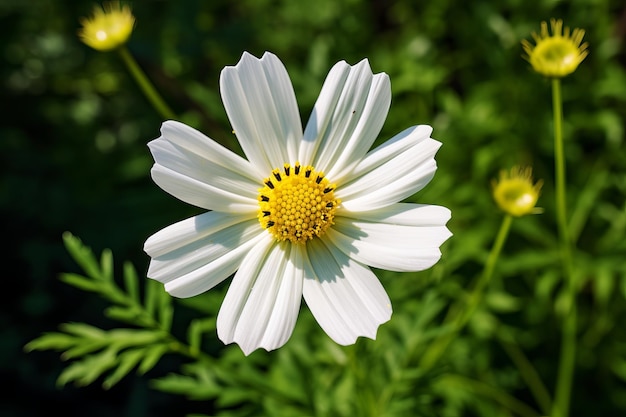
(73, 157)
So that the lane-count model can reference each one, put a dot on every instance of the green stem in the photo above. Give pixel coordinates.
(459, 315)
(146, 86)
(559, 165)
(568, 330)
(527, 371)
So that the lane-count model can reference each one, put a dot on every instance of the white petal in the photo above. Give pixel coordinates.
(188, 245)
(347, 118)
(197, 170)
(261, 106)
(345, 297)
(192, 256)
(262, 302)
(393, 171)
(189, 231)
(403, 237)
(196, 142)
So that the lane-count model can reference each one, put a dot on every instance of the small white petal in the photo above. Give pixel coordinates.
(189, 231)
(408, 214)
(393, 171)
(393, 147)
(201, 194)
(262, 108)
(192, 256)
(347, 118)
(345, 297)
(403, 237)
(197, 170)
(196, 142)
(208, 276)
(214, 238)
(262, 303)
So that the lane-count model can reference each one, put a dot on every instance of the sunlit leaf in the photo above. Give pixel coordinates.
(82, 255)
(127, 314)
(81, 282)
(87, 370)
(53, 340)
(151, 356)
(188, 386)
(83, 330)
(106, 265)
(131, 281)
(126, 361)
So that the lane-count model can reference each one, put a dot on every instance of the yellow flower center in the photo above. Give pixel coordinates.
(297, 203)
(556, 56)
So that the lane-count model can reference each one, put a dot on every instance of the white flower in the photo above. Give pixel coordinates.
(305, 214)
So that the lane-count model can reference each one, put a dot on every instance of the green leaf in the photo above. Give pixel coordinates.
(603, 284)
(53, 340)
(106, 264)
(235, 396)
(587, 199)
(83, 330)
(546, 283)
(151, 296)
(502, 302)
(127, 361)
(165, 311)
(85, 371)
(151, 357)
(133, 337)
(195, 331)
(124, 313)
(83, 347)
(187, 386)
(131, 281)
(82, 255)
(81, 282)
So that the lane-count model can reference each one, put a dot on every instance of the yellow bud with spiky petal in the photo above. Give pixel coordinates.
(515, 192)
(109, 27)
(556, 55)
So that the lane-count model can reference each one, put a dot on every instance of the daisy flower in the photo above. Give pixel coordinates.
(516, 193)
(305, 214)
(558, 54)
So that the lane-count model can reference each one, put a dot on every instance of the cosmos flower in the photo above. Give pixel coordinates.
(515, 192)
(108, 28)
(556, 55)
(305, 214)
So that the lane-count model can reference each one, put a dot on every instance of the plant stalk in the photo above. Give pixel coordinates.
(459, 315)
(145, 85)
(568, 331)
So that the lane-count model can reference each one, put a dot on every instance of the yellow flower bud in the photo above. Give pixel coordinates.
(556, 55)
(109, 27)
(515, 192)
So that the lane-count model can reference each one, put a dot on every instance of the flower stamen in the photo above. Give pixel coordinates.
(299, 205)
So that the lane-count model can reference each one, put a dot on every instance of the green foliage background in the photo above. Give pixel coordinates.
(74, 158)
